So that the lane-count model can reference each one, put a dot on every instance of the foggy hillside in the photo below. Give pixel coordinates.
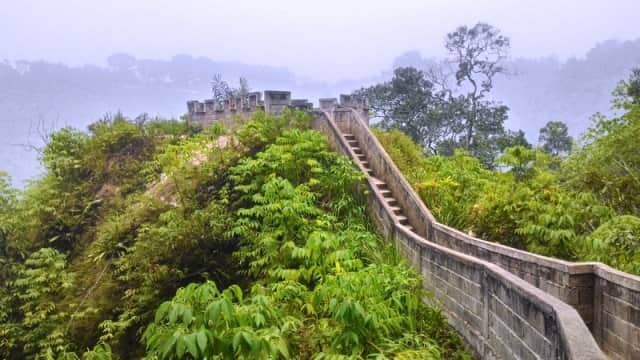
(37, 97)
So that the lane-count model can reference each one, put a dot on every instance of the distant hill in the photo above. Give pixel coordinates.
(41, 95)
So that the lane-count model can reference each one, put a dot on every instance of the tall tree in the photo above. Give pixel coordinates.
(478, 53)
(555, 139)
(627, 92)
(443, 114)
(223, 91)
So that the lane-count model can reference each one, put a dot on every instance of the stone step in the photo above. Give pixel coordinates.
(391, 201)
(377, 182)
(361, 157)
(352, 142)
(349, 136)
(364, 163)
(356, 149)
(368, 171)
(403, 219)
(385, 193)
(396, 210)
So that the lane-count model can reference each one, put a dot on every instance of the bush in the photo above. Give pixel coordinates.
(616, 243)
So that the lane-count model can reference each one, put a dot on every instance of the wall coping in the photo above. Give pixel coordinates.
(579, 342)
(563, 265)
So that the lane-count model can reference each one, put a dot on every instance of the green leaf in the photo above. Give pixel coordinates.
(181, 346)
(190, 341)
(201, 340)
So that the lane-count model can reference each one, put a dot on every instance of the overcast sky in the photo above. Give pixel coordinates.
(326, 39)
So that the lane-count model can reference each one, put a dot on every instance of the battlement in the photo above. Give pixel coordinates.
(274, 102)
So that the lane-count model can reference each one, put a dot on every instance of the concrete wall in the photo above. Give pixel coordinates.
(617, 312)
(500, 315)
(570, 282)
(607, 300)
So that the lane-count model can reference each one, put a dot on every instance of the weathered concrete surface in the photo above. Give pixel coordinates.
(500, 315)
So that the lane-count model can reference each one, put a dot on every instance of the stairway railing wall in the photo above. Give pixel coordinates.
(499, 314)
(608, 300)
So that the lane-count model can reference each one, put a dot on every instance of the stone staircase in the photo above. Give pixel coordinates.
(506, 303)
(499, 315)
(381, 185)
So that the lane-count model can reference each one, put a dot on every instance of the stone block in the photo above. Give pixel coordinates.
(328, 104)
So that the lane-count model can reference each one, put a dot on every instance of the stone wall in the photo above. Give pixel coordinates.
(607, 300)
(617, 312)
(494, 295)
(499, 314)
(570, 282)
(210, 111)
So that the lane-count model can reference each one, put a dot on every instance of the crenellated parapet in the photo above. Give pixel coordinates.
(210, 110)
(271, 101)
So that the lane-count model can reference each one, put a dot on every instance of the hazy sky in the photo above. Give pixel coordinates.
(328, 39)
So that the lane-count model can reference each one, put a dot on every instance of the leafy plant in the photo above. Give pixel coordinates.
(616, 243)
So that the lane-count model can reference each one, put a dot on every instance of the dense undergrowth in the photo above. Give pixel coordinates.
(162, 241)
(583, 207)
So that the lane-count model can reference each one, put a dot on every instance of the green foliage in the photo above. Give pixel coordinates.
(201, 322)
(537, 215)
(406, 154)
(524, 163)
(512, 138)
(263, 129)
(101, 351)
(38, 323)
(151, 237)
(63, 153)
(8, 203)
(539, 202)
(409, 103)
(616, 243)
(608, 164)
(523, 206)
(316, 294)
(301, 157)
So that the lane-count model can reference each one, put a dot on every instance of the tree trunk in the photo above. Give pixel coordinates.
(470, 124)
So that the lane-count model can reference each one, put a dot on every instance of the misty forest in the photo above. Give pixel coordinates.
(153, 237)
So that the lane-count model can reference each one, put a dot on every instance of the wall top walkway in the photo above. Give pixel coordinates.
(505, 302)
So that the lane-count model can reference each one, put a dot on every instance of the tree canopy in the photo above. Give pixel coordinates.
(449, 106)
(554, 138)
(584, 206)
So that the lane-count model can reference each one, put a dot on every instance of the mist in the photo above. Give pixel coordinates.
(68, 63)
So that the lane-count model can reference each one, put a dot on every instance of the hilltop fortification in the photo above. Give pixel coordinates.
(273, 102)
